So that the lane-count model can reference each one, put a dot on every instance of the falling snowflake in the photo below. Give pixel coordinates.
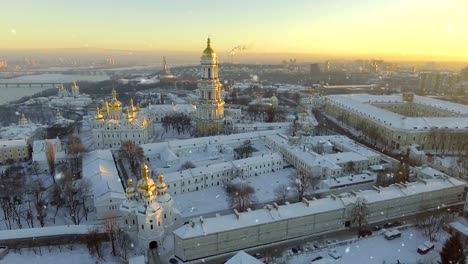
(347, 249)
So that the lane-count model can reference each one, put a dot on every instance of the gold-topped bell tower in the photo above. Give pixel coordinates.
(210, 106)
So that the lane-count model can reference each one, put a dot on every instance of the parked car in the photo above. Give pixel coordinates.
(392, 234)
(294, 250)
(376, 228)
(173, 261)
(334, 254)
(426, 247)
(258, 255)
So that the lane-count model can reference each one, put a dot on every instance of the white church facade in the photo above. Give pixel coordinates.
(112, 127)
(149, 212)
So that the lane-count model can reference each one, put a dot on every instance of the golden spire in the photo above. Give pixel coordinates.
(208, 52)
(131, 102)
(114, 94)
(75, 84)
(145, 172)
(130, 183)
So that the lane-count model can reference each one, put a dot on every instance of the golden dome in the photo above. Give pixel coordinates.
(23, 119)
(208, 52)
(132, 109)
(130, 189)
(99, 116)
(161, 184)
(114, 103)
(146, 183)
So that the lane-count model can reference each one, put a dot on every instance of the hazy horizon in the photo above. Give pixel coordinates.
(391, 30)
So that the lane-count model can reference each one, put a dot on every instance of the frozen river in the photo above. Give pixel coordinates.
(9, 94)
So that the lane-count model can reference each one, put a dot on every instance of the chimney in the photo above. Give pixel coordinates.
(201, 219)
(304, 200)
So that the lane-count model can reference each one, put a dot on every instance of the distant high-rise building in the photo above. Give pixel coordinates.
(210, 106)
(327, 66)
(3, 63)
(314, 68)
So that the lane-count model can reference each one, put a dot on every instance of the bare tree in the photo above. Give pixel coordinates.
(303, 183)
(50, 156)
(431, 222)
(282, 192)
(76, 149)
(240, 196)
(37, 193)
(111, 227)
(56, 200)
(133, 153)
(12, 194)
(74, 193)
(350, 166)
(359, 214)
(122, 242)
(94, 241)
(187, 165)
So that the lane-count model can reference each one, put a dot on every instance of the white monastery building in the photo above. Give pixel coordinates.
(112, 127)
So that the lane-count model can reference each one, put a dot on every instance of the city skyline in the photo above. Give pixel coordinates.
(432, 30)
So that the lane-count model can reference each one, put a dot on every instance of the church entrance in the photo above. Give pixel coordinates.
(153, 245)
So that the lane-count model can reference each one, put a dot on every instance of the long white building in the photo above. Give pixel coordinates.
(207, 237)
(221, 173)
(106, 187)
(402, 120)
(324, 165)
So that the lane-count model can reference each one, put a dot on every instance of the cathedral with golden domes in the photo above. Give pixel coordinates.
(149, 211)
(112, 125)
(210, 106)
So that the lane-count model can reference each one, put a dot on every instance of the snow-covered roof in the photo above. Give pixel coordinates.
(99, 167)
(256, 217)
(18, 131)
(243, 258)
(174, 145)
(429, 172)
(16, 143)
(349, 180)
(164, 109)
(39, 149)
(362, 104)
(461, 225)
(401, 190)
(45, 231)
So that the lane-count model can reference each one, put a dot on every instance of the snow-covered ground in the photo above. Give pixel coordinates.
(378, 250)
(213, 199)
(78, 255)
